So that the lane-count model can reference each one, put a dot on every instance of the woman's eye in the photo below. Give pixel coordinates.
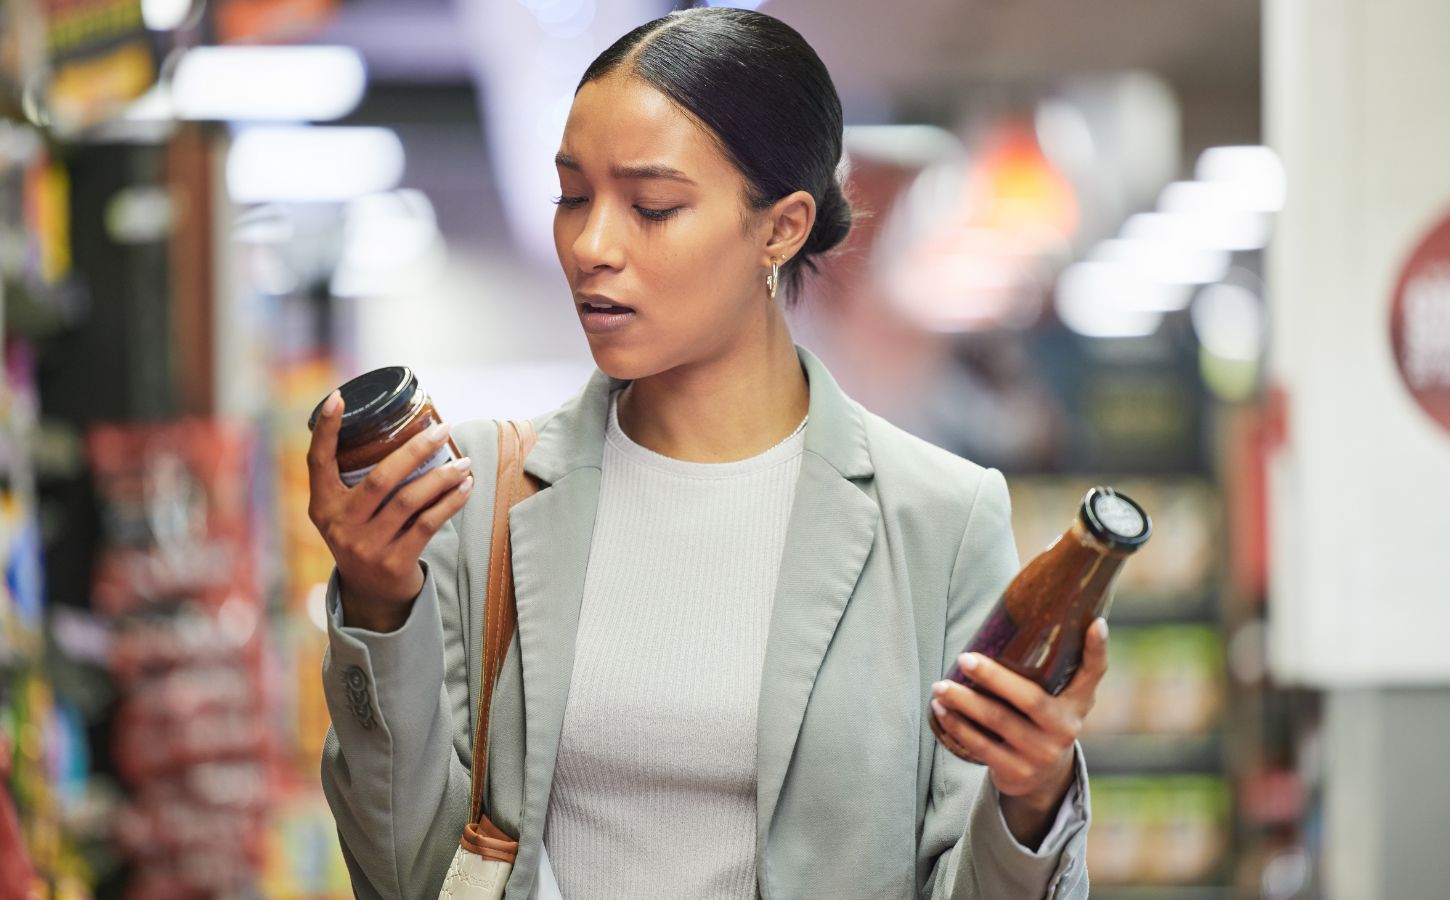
(657, 215)
(648, 213)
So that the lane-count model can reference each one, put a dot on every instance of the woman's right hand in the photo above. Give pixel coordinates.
(377, 545)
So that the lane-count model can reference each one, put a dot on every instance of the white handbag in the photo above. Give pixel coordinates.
(485, 854)
(472, 876)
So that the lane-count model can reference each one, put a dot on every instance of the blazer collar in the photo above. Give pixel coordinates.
(573, 436)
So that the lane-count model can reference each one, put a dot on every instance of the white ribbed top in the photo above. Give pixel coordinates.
(654, 790)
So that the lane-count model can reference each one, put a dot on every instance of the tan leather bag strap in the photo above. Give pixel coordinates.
(515, 440)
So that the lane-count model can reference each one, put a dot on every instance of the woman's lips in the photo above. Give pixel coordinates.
(588, 301)
(599, 321)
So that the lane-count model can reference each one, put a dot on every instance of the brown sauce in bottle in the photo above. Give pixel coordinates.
(1038, 626)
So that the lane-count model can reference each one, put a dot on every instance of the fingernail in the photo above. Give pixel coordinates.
(462, 463)
(967, 661)
(334, 400)
(466, 485)
(1102, 626)
(438, 432)
(937, 708)
(939, 688)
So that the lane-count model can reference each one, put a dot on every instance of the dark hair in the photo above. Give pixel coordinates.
(756, 84)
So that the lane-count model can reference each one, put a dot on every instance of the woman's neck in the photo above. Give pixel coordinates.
(720, 410)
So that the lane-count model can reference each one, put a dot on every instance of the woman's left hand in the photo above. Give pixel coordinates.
(1033, 766)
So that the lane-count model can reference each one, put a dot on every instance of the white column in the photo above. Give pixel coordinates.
(1358, 106)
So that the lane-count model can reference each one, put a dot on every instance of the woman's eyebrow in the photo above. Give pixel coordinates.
(653, 170)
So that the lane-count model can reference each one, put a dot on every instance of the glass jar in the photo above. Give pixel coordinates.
(382, 410)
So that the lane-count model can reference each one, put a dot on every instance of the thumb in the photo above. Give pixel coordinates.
(1094, 661)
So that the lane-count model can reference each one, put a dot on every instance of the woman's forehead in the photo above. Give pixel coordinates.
(621, 121)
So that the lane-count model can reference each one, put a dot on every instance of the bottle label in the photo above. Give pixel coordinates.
(443, 455)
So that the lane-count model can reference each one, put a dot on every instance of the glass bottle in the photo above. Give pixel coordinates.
(1038, 626)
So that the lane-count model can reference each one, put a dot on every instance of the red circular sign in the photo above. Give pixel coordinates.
(1420, 324)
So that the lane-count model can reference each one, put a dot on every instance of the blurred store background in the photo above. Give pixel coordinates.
(1196, 248)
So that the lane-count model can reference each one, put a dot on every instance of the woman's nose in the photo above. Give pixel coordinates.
(598, 244)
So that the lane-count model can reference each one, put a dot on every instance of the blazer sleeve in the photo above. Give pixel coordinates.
(396, 763)
(965, 844)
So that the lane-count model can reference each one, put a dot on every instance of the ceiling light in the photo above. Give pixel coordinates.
(1107, 300)
(291, 84)
(302, 163)
(1165, 259)
(1254, 174)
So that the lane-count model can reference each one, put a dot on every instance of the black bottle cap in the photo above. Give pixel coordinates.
(1115, 519)
(371, 398)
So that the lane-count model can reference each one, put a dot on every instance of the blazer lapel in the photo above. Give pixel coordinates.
(550, 534)
(829, 534)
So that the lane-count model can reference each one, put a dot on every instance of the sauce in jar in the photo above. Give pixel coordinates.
(1038, 626)
(382, 410)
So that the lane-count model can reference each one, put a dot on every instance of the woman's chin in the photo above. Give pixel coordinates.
(619, 362)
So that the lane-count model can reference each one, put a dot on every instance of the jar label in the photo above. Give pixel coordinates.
(443, 455)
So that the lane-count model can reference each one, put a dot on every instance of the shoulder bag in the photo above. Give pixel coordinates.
(485, 854)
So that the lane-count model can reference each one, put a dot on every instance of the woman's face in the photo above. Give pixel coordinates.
(650, 217)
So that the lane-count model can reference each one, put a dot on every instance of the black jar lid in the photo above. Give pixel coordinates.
(1115, 519)
(371, 398)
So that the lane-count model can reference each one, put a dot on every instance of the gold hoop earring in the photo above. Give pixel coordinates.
(772, 281)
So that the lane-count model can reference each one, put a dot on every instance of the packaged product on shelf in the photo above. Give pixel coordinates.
(191, 735)
(1179, 566)
(1161, 830)
(301, 857)
(174, 509)
(1115, 842)
(1116, 710)
(307, 561)
(1162, 680)
(1180, 678)
(1188, 830)
(16, 869)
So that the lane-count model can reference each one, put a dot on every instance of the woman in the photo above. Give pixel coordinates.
(736, 587)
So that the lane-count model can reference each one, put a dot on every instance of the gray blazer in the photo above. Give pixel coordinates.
(894, 551)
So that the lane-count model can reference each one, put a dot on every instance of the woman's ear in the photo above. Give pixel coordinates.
(789, 220)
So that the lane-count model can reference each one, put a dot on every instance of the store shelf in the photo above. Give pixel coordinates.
(1154, 754)
(1196, 608)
